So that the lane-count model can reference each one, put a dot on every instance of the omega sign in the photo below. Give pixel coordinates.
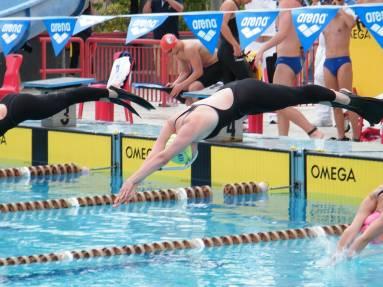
(332, 173)
(137, 152)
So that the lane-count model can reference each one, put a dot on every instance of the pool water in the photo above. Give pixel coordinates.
(302, 262)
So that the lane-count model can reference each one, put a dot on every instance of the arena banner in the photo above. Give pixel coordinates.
(141, 25)
(372, 18)
(231, 164)
(12, 33)
(86, 21)
(206, 27)
(60, 30)
(134, 151)
(16, 145)
(310, 22)
(251, 25)
(337, 178)
(90, 150)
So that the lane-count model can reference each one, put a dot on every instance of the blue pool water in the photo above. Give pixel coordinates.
(286, 263)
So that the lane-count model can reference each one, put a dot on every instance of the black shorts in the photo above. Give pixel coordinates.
(211, 75)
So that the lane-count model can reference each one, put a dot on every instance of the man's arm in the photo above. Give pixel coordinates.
(176, 5)
(348, 16)
(147, 7)
(284, 24)
(225, 30)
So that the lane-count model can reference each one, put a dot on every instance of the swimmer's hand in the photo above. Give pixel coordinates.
(177, 89)
(258, 59)
(126, 192)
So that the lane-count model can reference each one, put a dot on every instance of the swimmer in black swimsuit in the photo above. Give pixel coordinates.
(207, 117)
(16, 108)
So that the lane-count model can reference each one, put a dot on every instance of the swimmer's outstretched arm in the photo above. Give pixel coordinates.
(158, 157)
(365, 209)
(372, 231)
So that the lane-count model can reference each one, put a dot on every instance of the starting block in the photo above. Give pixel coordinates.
(64, 118)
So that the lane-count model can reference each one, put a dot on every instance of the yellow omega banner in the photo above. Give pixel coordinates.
(229, 165)
(16, 145)
(338, 179)
(88, 150)
(367, 62)
(135, 151)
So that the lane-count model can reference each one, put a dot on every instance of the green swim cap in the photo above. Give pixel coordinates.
(183, 157)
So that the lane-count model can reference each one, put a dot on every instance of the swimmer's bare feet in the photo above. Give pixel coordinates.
(314, 133)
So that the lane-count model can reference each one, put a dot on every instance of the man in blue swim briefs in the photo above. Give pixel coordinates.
(337, 66)
(288, 66)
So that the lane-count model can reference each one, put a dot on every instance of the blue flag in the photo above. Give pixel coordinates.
(60, 30)
(372, 18)
(206, 27)
(140, 26)
(11, 33)
(251, 25)
(310, 22)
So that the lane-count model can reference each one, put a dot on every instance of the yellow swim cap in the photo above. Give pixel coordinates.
(183, 157)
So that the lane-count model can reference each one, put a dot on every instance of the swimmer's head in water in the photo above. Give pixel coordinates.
(168, 42)
(184, 156)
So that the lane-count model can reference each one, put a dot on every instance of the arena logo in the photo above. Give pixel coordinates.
(202, 24)
(316, 19)
(256, 22)
(374, 18)
(137, 152)
(3, 140)
(61, 31)
(332, 173)
(142, 26)
(11, 32)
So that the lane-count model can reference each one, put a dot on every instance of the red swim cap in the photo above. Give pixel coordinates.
(168, 42)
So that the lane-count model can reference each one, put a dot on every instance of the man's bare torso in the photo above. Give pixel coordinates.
(290, 46)
(195, 46)
(337, 36)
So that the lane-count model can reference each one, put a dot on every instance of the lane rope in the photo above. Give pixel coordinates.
(42, 170)
(193, 192)
(197, 243)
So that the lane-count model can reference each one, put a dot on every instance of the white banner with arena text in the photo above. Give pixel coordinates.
(372, 18)
(206, 27)
(310, 22)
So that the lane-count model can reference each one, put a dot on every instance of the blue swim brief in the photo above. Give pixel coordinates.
(333, 64)
(295, 63)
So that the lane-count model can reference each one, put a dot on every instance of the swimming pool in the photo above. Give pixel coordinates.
(298, 262)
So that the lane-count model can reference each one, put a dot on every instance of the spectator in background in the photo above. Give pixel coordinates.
(288, 67)
(75, 53)
(229, 50)
(170, 25)
(198, 68)
(338, 67)
(270, 56)
(323, 113)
